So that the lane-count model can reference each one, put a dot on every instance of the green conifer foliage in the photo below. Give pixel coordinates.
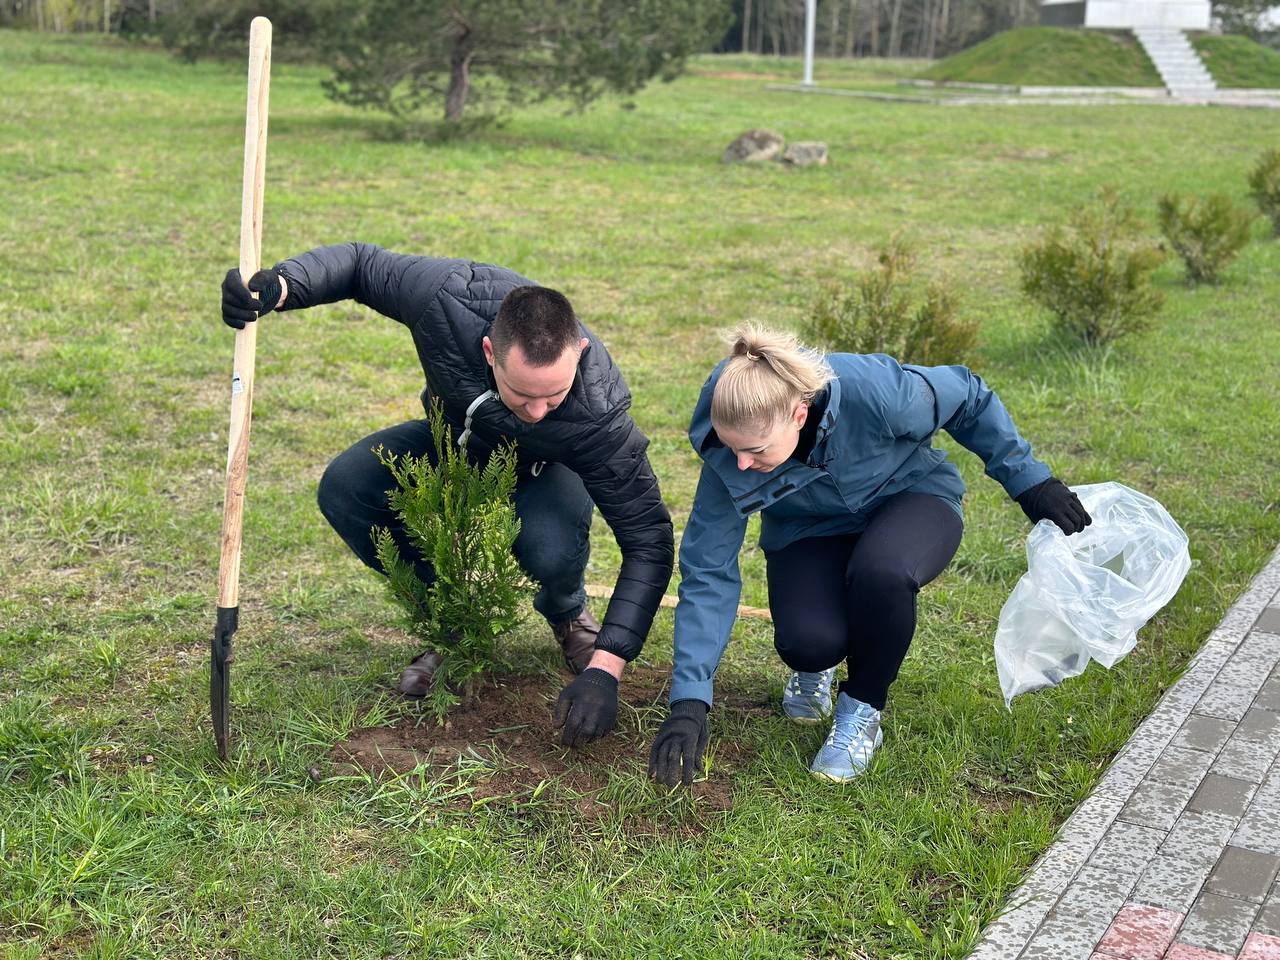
(1264, 187)
(461, 518)
(1206, 232)
(879, 313)
(1094, 275)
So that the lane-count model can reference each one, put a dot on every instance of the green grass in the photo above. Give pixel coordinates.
(1051, 56)
(754, 68)
(119, 834)
(1238, 61)
(1062, 56)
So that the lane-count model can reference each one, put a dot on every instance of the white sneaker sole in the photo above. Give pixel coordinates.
(837, 778)
(807, 721)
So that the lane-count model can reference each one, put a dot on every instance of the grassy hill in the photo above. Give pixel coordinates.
(1238, 62)
(1052, 56)
(1063, 56)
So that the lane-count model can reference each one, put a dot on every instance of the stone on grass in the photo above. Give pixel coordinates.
(754, 146)
(811, 153)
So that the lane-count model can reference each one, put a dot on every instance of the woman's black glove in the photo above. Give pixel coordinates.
(1053, 500)
(588, 707)
(238, 305)
(681, 741)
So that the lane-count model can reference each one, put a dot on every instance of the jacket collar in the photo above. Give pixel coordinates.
(752, 491)
(703, 436)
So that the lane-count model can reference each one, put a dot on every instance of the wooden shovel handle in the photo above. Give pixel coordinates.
(255, 168)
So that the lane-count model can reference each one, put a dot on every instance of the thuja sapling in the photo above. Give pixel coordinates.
(460, 518)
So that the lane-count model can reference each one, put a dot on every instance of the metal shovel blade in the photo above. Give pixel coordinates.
(220, 675)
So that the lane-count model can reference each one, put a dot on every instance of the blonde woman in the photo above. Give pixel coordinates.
(858, 512)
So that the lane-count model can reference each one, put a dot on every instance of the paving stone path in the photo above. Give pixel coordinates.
(1175, 854)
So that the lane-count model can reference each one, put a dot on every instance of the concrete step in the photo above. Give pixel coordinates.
(1176, 61)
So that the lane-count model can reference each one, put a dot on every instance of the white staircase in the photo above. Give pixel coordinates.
(1176, 61)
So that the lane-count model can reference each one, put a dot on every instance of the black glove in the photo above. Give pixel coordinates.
(681, 741)
(588, 707)
(238, 305)
(1053, 500)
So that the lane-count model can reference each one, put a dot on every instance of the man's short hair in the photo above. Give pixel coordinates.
(540, 319)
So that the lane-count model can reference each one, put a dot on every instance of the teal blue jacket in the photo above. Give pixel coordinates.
(873, 441)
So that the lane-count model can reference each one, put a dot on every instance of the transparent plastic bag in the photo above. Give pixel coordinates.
(1086, 596)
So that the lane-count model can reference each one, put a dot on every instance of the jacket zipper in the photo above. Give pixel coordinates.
(784, 489)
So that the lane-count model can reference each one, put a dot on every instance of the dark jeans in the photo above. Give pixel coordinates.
(553, 507)
(854, 597)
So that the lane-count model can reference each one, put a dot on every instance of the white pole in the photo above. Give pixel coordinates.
(810, 18)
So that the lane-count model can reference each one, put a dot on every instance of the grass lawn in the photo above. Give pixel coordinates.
(1052, 56)
(119, 834)
(1238, 61)
(1062, 56)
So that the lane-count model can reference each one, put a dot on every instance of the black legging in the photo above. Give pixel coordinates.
(853, 597)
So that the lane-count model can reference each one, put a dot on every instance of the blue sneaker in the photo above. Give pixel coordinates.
(855, 735)
(807, 696)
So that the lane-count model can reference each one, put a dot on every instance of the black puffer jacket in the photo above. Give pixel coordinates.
(448, 306)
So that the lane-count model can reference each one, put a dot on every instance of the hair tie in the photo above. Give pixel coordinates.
(751, 355)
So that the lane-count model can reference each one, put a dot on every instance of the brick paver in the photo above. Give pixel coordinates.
(1182, 951)
(1176, 853)
(1140, 933)
(1261, 946)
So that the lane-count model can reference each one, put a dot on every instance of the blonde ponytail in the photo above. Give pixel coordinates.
(767, 374)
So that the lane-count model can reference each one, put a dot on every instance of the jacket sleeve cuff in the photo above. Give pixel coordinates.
(619, 641)
(692, 690)
(1036, 473)
(293, 292)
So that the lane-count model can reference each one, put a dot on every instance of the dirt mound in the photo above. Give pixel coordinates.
(501, 734)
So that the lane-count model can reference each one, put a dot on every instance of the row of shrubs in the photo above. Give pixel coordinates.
(1094, 275)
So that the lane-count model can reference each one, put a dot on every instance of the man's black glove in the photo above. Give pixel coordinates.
(238, 305)
(681, 741)
(588, 707)
(1053, 500)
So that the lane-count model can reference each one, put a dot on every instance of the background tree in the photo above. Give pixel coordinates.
(875, 28)
(1247, 17)
(848, 28)
(401, 55)
(200, 28)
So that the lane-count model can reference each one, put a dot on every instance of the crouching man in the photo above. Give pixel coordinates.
(509, 361)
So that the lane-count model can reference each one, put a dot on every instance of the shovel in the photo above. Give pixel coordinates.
(255, 162)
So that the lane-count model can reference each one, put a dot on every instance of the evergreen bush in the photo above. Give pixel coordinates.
(1264, 187)
(1094, 275)
(880, 314)
(461, 519)
(1206, 233)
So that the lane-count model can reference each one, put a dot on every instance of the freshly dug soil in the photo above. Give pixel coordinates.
(507, 723)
